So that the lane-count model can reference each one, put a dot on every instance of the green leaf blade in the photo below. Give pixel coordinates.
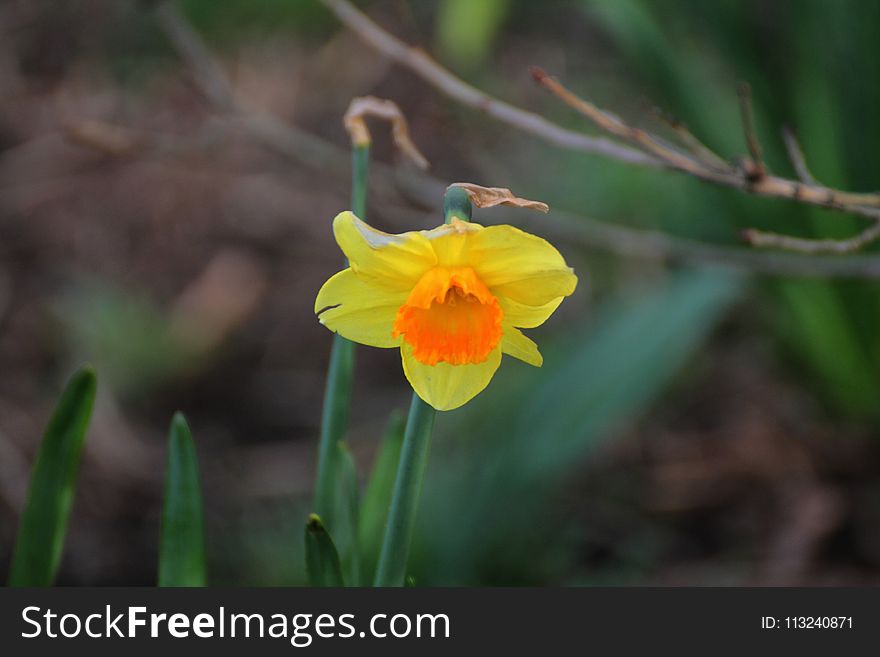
(53, 481)
(377, 496)
(182, 540)
(322, 559)
(346, 530)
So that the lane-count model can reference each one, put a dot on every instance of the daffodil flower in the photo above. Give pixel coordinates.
(452, 299)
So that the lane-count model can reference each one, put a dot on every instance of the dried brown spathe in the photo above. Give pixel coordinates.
(487, 197)
(387, 110)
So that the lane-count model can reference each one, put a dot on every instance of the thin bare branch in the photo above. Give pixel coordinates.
(418, 61)
(614, 125)
(656, 245)
(768, 185)
(756, 169)
(206, 70)
(699, 150)
(813, 246)
(796, 155)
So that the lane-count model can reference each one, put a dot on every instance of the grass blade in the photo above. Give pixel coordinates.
(377, 496)
(322, 560)
(348, 519)
(53, 480)
(182, 540)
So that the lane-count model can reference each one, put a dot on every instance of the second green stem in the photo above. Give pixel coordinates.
(340, 372)
(414, 453)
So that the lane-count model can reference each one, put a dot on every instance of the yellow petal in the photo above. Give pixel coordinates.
(515, 344)
(393, 261)
(523, 316)
(446, 386)
(451, 242)
(358, 310)
(538, 288)
(518, 265)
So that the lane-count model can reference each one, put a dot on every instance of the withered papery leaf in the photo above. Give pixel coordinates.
(487, 197)
(387, 110)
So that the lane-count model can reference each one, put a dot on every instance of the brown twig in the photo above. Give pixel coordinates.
(812, 246)
(753, 178)
(755, 169)
(206, 70)
(309, 150)
(768, 185)
(796, 155)
(659, 246)
(613, 125)
(702, 152)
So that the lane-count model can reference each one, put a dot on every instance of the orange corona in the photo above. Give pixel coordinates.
(450, 317)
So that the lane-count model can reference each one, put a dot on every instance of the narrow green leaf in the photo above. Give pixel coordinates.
(322, 559)
(377, 496)
(53, 480)
(182, 541)
(346, 529)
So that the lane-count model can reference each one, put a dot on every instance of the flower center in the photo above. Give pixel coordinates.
(450, 317)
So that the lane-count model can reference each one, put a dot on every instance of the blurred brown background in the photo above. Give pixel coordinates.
(148, 232)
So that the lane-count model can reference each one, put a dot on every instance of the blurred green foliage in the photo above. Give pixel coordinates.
(128, 338)
(466, 30)
(687, 57)
(238, 19)
(490, 511)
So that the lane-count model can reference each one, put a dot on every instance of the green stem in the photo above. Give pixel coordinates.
(360, 164)
(340, 371)
(414, 453)
(405, 498)
(456, 205)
